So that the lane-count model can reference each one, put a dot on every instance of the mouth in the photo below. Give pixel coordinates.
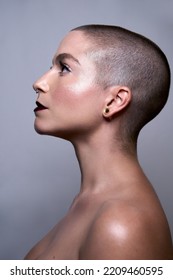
(40, 107)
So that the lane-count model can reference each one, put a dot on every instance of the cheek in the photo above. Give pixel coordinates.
(74, 93)
(81, 86)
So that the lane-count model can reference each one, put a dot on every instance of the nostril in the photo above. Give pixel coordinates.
(34, 87)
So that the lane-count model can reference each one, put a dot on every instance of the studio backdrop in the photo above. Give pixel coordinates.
(39, 175)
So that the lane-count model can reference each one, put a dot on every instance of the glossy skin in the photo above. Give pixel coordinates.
(116, 214)
(69, 92)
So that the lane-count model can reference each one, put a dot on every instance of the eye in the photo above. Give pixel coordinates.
(64, 68)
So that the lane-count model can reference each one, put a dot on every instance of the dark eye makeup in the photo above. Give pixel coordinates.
(64, 67)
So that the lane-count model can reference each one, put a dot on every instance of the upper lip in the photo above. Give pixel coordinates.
(40, 105)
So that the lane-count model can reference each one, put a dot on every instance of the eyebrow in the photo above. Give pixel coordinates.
(63, 56)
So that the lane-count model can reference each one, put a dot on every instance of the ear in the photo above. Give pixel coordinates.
(118, 97)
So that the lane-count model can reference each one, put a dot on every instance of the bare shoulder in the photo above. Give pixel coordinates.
(123, 231)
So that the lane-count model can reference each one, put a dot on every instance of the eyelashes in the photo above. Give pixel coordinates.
(63, 67)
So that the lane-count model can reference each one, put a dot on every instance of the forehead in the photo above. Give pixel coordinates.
(74, 43)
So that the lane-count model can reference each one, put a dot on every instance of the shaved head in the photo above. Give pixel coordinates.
(125, 58)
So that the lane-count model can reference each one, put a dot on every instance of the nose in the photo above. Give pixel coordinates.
(41, 85)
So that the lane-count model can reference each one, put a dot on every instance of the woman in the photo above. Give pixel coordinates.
(104, 85)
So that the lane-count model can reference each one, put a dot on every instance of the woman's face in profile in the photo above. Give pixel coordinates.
(69, 101)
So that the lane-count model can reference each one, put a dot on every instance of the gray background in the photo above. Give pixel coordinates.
(39, 175)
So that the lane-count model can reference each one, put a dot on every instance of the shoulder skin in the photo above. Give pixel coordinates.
(125, 232)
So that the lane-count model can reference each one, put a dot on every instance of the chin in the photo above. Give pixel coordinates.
(45, 131)
(68, 134)
(41, 129)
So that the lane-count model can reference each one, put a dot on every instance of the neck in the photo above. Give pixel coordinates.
(103, 164)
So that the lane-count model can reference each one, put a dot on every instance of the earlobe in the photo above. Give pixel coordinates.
(106, 113)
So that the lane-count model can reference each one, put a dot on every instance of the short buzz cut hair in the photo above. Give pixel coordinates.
(123, 57)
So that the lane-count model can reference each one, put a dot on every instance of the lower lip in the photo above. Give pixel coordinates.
(39, 109)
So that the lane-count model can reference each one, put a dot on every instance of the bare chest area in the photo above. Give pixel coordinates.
(66, 239)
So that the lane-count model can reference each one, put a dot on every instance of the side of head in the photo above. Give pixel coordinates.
(128, 59)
